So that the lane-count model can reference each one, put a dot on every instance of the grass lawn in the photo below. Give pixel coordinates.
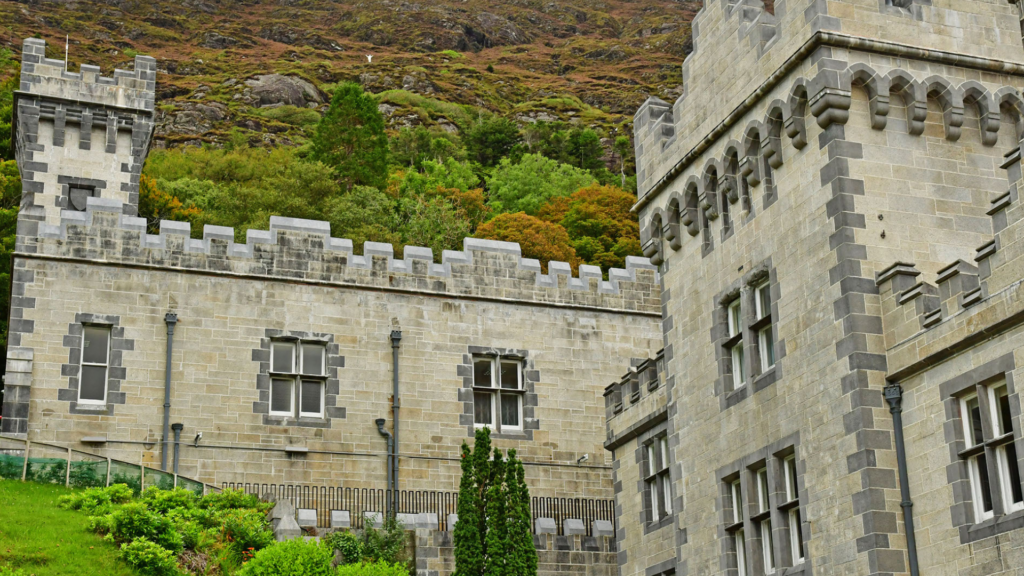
(44, 540)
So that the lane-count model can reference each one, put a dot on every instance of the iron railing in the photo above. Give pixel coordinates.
(362, 501)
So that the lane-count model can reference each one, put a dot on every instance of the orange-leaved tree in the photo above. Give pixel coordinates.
(600, 226)
(156, 205)
(537, 239)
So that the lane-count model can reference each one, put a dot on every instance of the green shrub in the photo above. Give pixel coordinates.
(450, 54)
(163, 501)
(231, 499)
(131, 53)
(10, 467)
(132, 481)
(246, 530)
(386, 544)
(6, 571)
(149, 558)
(288, 114)
(379, 568)
(133, 521)
(292, 558)
(101, 524)
(96, 501)
(348, 544)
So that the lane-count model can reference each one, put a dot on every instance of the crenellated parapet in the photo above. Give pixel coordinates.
(80, 135)
(294, 250)
(719, 177)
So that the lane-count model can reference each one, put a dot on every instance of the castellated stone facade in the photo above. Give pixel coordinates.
(282, 356)
(834, 207)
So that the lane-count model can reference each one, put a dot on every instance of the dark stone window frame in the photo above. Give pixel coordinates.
(334, 361)
(66, 183)
(756, 378)
(530, 376)
(773, 458)
(116, 372)
(643, 440)
(962, 511)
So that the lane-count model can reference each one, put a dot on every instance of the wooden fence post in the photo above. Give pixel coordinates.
(67, 473)
(108, 472)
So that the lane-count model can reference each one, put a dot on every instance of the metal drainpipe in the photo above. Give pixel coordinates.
(177, 427)
(396, 339)
(390, 440)
(894, 396)
(171, 319)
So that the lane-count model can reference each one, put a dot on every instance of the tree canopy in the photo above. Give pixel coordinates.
(350, 138)
(526, 185)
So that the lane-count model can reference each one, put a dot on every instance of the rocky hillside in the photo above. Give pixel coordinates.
(268, 67)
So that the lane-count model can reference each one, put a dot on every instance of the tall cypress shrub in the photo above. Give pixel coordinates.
(522, 553)
(469, 549)
(493, 536)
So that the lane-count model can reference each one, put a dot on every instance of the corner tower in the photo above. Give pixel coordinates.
(79, 134)
(817, 144)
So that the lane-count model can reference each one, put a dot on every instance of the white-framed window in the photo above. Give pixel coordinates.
(95, 365)
(741, 552)
(1006, 454)
(764, 509)
(734, 344)
(977, 460)
(735, 524)
(298, 378)
(796, 536)
(498, 393)
(765, 339)
(657, 483)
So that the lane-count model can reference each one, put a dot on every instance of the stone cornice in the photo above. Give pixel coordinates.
(819, 39)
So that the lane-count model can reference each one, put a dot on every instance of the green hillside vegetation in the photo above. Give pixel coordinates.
(544, 186)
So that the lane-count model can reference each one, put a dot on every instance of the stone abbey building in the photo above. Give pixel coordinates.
(835, 207)
(283, 352)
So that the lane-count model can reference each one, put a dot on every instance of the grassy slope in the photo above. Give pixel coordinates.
(44, 540)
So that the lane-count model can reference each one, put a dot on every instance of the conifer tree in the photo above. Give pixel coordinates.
(350, 138)
(521, 552)
(469, 550)
(496, 541)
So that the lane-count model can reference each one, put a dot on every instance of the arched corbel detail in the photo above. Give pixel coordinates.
(688, 215)
(653, 248)
(1010, 100)
(750, 168)
(771, 137)
(671, 228)
(795, 118)
(914, 97)
(951, 100)
(989, 118)
(731, 172)
(877, 88)
(709, 189)
(829, 102)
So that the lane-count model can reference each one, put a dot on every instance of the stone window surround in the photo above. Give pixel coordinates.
(116, 372)
(530, 377)
(634, 384)
(334, 362)
(646, 514)
(962, 511)
(772, 457)
(63, 200)
(903, 8)
(756, 378)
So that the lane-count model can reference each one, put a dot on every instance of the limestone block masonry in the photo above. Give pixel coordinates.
(281, 360)
(837, 236)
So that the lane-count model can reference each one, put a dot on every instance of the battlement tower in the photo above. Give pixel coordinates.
(80, 135)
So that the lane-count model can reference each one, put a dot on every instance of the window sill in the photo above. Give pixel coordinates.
(992, 527)
(766, 378)
(658, 524)
(800, 568)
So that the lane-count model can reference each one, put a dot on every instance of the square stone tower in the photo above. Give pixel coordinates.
(834, 206)
(79, 134)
